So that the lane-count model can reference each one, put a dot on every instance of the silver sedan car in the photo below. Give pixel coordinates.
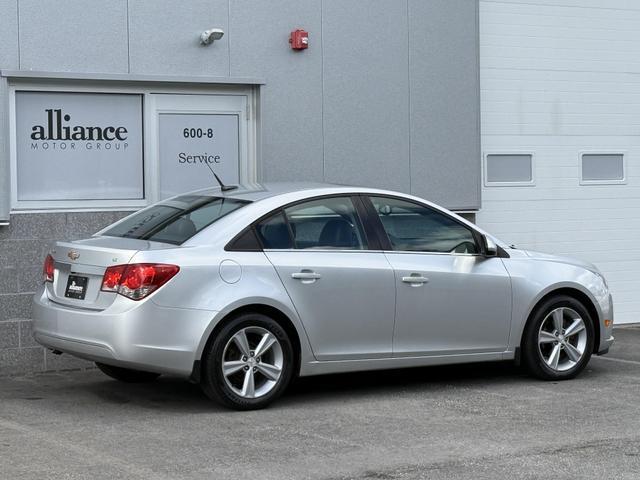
(242, 290)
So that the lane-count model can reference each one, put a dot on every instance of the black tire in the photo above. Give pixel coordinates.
(532, 353)
(213, 381)
(127, 375)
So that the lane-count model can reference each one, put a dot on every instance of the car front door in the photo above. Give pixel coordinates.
(341, 286)
(450, 298)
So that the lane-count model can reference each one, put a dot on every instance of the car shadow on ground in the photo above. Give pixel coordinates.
(165, 394)
(401, 380)
(176, 394)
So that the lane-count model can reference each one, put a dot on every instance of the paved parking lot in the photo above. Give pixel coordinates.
(465, 422)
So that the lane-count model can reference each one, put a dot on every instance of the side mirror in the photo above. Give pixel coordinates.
(489, 246)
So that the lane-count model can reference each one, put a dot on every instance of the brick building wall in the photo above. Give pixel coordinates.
(23, 245)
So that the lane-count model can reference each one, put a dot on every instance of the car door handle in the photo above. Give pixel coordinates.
(306, 275)
(415, 280)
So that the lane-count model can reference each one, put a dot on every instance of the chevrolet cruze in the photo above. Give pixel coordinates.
(241, 290)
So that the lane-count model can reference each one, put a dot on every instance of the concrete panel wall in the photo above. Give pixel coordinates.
(161, 41)
(73, 35)
(292, 138)
(445, 111)
(9, 34)
(366, 94)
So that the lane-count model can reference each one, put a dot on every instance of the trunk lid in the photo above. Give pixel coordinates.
(86, 261)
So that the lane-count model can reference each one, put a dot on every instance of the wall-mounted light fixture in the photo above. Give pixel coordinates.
(209, 36)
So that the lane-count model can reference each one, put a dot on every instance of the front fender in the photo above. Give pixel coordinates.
(532, 280)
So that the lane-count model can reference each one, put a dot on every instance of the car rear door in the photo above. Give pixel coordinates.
(341, 284)
(450, 298)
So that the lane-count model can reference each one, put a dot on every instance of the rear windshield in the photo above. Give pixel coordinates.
(176, 220)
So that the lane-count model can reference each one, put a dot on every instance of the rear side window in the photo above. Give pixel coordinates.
(176, 220)
(327, 223)
(413, 227)
(274, 232)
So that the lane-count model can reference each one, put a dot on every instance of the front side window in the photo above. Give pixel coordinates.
(327, 223)
(176, 220)
(416, 228)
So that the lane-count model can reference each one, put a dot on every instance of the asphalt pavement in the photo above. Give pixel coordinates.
(480, 421)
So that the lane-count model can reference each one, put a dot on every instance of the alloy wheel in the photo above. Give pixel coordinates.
(252, 362)
(562, 339)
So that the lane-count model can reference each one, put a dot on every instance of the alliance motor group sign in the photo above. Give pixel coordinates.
(79, 146)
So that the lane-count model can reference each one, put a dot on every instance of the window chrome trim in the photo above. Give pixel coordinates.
(320, 250)
(420, 252)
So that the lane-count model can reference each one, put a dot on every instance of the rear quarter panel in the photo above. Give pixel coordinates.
(218, 281)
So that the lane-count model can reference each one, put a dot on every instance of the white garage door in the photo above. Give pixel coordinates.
(560, 93)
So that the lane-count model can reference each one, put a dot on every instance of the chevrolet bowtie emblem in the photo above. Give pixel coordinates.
(73, 255)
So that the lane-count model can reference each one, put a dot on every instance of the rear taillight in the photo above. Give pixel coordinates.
(48, 269)
(137, 280)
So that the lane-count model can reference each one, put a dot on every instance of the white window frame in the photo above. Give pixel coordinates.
(181, 104)
(150, 157)
(621, 181)
(487, 183)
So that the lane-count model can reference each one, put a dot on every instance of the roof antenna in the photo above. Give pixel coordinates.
(223, 187)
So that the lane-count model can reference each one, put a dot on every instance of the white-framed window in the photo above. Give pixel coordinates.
(106, 147)
(192, 133)
(75, 147)
(602, 168)
(508, 169)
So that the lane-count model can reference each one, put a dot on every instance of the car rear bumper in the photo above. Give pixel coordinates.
(141, 335)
